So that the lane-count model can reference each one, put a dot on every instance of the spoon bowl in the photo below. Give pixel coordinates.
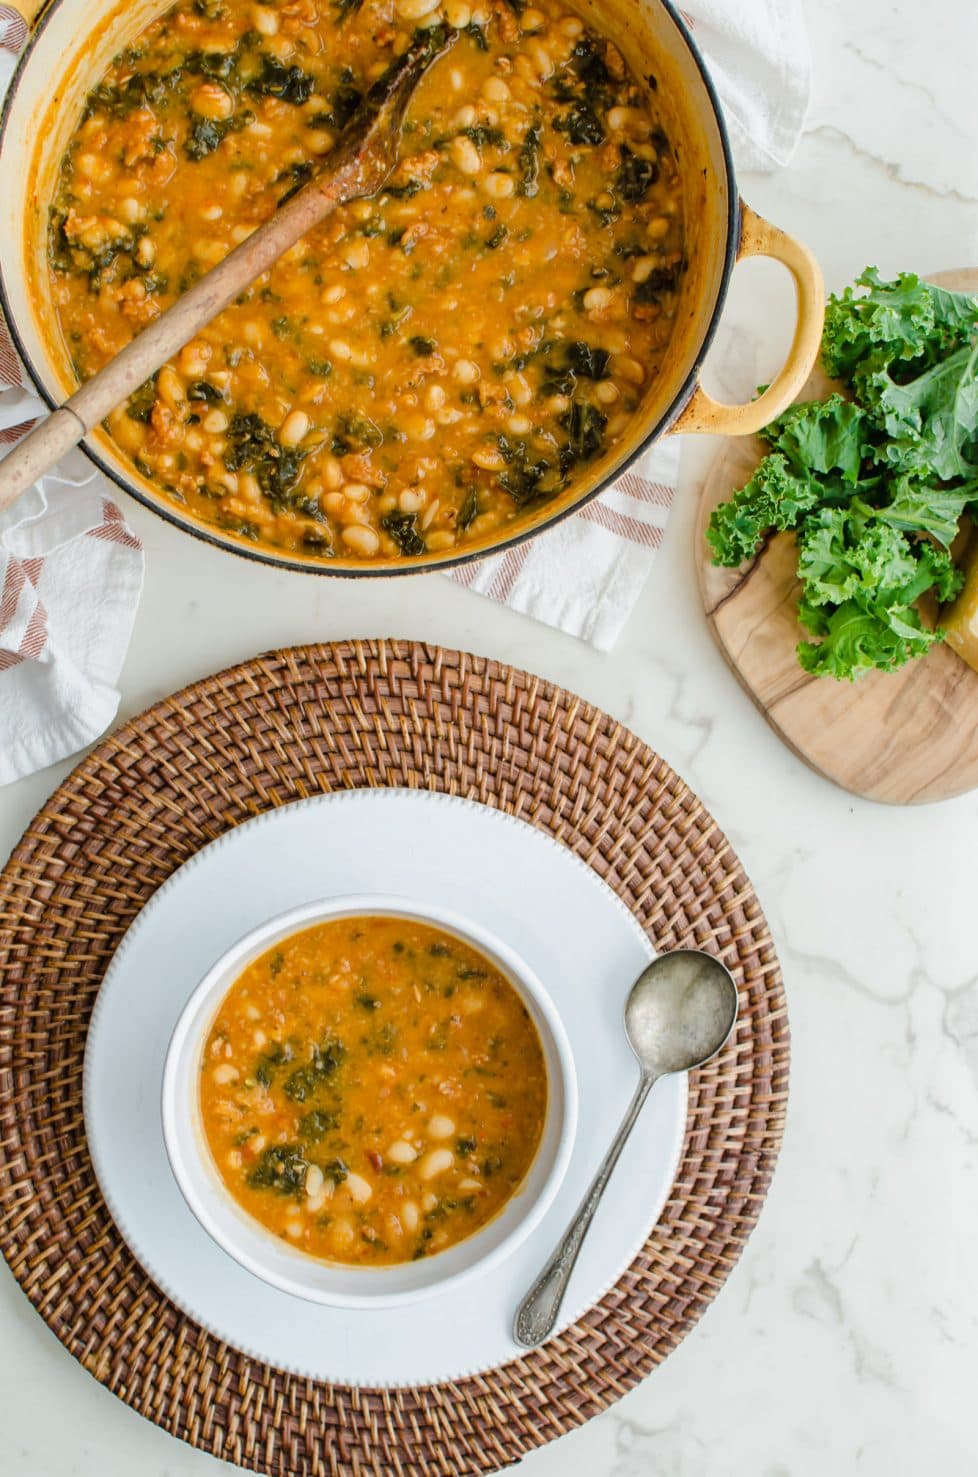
(680, 1012)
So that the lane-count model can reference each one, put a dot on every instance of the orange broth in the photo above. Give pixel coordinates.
(373, 1090)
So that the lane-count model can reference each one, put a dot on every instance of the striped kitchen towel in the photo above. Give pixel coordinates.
(585, 574)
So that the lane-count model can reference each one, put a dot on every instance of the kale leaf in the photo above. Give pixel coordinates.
(289, 84)
(872, 481)
(530, 161)
(585, 426)
(403, 529)
(305, 1081)
(201, 390)
(140, 403)
(254, 447)
(526, 477)
(281, 1168)
(317, 1124)
(635, 176)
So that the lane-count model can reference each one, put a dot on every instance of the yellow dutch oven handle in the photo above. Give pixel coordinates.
(705, 416)
(29, 10)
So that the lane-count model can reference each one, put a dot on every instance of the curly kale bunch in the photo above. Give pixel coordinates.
(873, 482)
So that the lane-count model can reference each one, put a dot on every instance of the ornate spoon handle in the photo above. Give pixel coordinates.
(537, 1313)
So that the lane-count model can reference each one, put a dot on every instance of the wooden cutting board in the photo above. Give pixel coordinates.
(904, 738)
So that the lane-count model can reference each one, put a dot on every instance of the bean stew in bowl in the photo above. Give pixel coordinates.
(362, 1102)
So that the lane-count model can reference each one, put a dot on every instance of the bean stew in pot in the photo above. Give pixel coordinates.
(427, 367)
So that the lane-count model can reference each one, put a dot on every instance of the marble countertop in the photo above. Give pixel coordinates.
(846, 1338)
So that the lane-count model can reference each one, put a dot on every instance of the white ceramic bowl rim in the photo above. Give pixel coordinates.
(287, 1268)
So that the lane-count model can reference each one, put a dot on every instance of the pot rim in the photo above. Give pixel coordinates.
(424, 563)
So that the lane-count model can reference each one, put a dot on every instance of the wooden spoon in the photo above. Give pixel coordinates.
(362, 161)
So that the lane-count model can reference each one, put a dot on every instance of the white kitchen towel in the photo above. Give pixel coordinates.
(585, 575)
(761, 65)
(70, 576)
(71, 572)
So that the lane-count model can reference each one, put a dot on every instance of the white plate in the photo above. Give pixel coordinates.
(523, 886)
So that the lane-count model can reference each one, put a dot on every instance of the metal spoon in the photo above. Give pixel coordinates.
(680, 1012)
(363, 158)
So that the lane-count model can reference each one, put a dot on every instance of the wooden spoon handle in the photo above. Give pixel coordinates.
(158, 341)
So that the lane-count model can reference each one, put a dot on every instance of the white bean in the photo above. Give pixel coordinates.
(409, 1216)
(465, 371)
(357, 255)
(418, 427)
(643, 268)
(435, 1162)
(597, 298)
(401, 1152)
(314, 1180)
(542, 61)
(342, 1234)
(497, 186)
(293, 428)
(331, 472)
(211, 100)
(465, 155)
(631, 369)
(415, 10)
(519, 389)
(359, 1188)
(361, 540)
(264, 20)
(194, 358)
(225, 1073)
(618, 118)
(440, 1126)
(169, 386)
(495, 90)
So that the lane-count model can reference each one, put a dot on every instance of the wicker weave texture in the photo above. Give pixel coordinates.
(307, 721)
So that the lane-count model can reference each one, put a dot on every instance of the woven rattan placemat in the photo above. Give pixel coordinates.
(303, 722)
